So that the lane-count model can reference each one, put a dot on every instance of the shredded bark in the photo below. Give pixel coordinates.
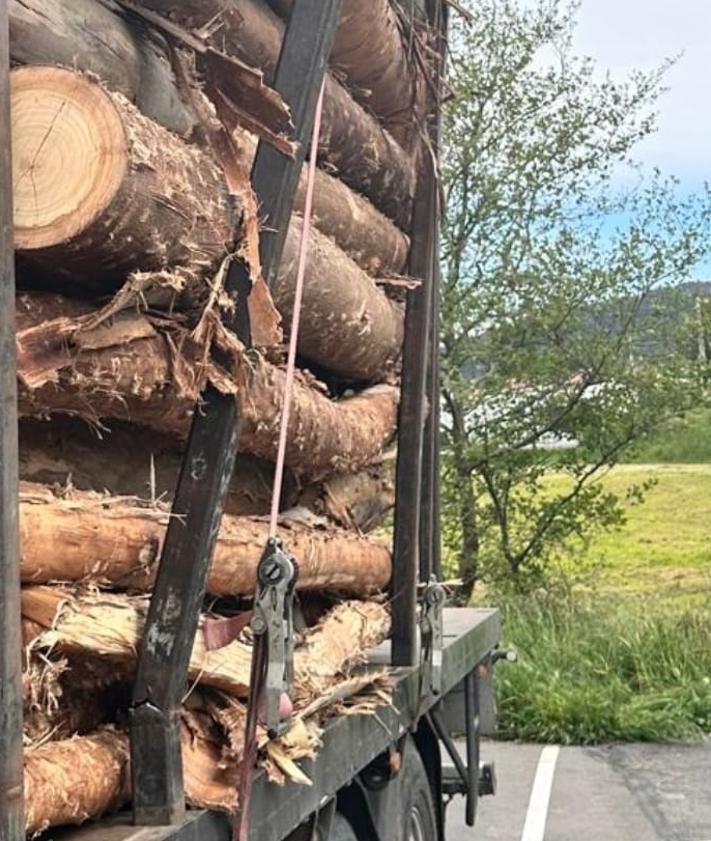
(81, 536)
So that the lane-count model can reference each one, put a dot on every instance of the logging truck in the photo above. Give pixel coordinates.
(222, 608)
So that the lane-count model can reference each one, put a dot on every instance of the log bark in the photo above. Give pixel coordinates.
(137, 198)
(131, 59)
(365, 234)
(110, 626)
(131, 195)
(112, 540)
(75, 780)
(380, 69)
(331, 649)
(130, 461)
(348, 325)
(366, 156)
(358, 501)
(152, 375)
(68, 782)
(89, 35)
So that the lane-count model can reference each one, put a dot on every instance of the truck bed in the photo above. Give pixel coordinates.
(349, 744)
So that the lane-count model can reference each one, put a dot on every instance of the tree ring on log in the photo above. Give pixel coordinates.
(71, 154)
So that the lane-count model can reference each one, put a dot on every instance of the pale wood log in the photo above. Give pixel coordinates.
(109, 627)
(85, 536)
(133, 197)
(74, 780)
(348, 325)
(365, 234)
(100, 190)
(70, 781)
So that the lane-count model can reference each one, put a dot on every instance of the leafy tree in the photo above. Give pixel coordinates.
(553, 264)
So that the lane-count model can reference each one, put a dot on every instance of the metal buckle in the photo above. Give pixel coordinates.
(274, 616)
(432, 629)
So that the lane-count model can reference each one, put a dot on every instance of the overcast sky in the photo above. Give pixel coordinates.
(627, 34)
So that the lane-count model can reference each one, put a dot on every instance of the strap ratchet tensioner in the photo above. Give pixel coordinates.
(432, 630)
(274, 617)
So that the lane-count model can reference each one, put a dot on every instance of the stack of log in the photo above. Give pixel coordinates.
(127, 212)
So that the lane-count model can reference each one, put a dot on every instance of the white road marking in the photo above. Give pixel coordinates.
(535, 827)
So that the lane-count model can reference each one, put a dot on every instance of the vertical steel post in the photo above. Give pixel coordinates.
(411, 423)
(12, 823)
(416, 540)
(430, 527)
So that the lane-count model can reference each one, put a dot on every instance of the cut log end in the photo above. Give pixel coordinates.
(70, 154)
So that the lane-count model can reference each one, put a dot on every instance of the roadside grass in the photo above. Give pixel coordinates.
(626, 654)
(591, 673)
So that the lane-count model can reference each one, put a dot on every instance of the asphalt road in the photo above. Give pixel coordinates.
(617, 793)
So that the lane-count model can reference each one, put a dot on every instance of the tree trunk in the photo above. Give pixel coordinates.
(118, 541)
(110, 626)
(469, 541)
(131, 461)
(131, 196)
(152, 375)
(352, 142)
(88, 35)
(350, 326)
(68, 782)
(467, 510)
(380, 68)
(366, 235)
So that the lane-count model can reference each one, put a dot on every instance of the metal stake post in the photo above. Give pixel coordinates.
(12, 823)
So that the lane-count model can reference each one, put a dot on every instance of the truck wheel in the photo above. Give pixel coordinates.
(341, 830)
(420, 823)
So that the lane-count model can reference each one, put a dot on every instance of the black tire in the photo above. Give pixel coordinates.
(341, 830)
(419, 818)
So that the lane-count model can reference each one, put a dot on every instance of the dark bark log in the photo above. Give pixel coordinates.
(365, 155)
(89, 35)
(151, 374)
(380, 68)
(348, 325)
(131, 461)
(118, 541)
(359, 501)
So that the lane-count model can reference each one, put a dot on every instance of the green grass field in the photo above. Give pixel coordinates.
(664, 548)
(628, 655)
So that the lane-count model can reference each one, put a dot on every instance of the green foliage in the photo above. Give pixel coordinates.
(590, 673)
(551, 322)
(683, 440)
